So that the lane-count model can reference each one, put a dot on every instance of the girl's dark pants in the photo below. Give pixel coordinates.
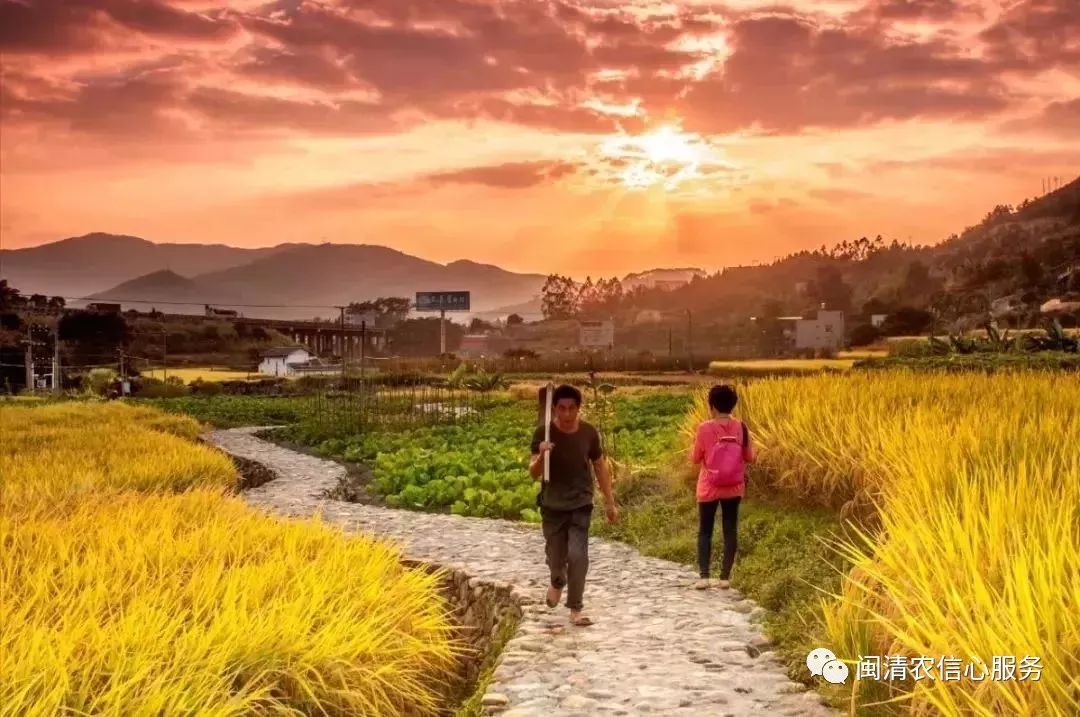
(729, 508)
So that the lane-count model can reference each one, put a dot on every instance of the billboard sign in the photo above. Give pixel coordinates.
(358, 318)
(442, 301)
(597, 334)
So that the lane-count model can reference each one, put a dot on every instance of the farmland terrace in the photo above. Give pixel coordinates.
(659, 647)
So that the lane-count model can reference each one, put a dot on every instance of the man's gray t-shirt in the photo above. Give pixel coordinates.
(571, 484)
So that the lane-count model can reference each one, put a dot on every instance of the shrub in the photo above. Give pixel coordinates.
(206, 388)
(864, 335)
(911, 348)
(907, 321)
(98, 381)
(172, 387)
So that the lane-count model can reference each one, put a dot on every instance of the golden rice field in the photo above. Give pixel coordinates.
(977, 483)
(133, 583)
(187, 375)
(771, 366)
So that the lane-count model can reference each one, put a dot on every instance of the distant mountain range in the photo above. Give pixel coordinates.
(81, 266)
(1019, 256)
(307, 278)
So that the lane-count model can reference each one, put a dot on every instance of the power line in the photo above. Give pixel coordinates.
(202, 303)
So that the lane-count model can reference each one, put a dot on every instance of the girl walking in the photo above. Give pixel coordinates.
(722, 449)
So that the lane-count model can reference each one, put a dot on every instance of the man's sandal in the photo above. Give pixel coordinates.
(581, 620)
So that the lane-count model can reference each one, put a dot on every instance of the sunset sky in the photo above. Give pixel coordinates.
(585, 137)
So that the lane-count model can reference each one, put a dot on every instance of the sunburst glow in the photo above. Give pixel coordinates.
(666, 157)
(668, 145)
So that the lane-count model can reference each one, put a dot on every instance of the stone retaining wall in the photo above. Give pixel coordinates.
(252, 473)
(482, 610)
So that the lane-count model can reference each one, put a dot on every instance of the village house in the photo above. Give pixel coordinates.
(1057, 306)
(824, 332)
(283, 361)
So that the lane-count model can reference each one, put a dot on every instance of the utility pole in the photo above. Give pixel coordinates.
(56, 383)
(690, 339)
(164, 355)
(363, 348)
(344, 352)
(442, 332)
(29, 358)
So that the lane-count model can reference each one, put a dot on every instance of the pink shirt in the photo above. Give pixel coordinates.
(707, 434)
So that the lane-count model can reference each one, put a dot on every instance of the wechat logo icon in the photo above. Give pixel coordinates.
(823, 663)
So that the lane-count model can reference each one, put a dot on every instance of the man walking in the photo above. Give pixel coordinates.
(566, 500)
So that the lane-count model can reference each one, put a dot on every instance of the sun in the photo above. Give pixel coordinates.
(668, 145)
(665, 158)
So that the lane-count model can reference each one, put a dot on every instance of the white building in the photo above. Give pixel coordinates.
(280, 361)
(877, 320)
(1054, 306)
(824, 332)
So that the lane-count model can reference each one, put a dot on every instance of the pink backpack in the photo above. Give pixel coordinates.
(723, 464)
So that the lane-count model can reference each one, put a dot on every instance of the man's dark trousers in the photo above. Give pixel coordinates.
(566, 534)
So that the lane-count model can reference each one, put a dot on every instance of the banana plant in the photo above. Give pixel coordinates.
(962, 345)
(1058, 340)
(997, 341)
(940, 346)
(484, 382)
(457, 377)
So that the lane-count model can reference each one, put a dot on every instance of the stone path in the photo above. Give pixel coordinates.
(658, 647)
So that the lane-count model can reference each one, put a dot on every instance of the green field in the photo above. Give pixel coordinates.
(232, 411)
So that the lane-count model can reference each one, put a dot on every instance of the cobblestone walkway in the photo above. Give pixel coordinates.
(658, 647)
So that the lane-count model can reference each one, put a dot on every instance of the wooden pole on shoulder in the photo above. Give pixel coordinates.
(549, 393)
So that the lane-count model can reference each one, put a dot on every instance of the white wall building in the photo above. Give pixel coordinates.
(278, 361)
(1054, 306)
(824, 332)
(877, 320)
